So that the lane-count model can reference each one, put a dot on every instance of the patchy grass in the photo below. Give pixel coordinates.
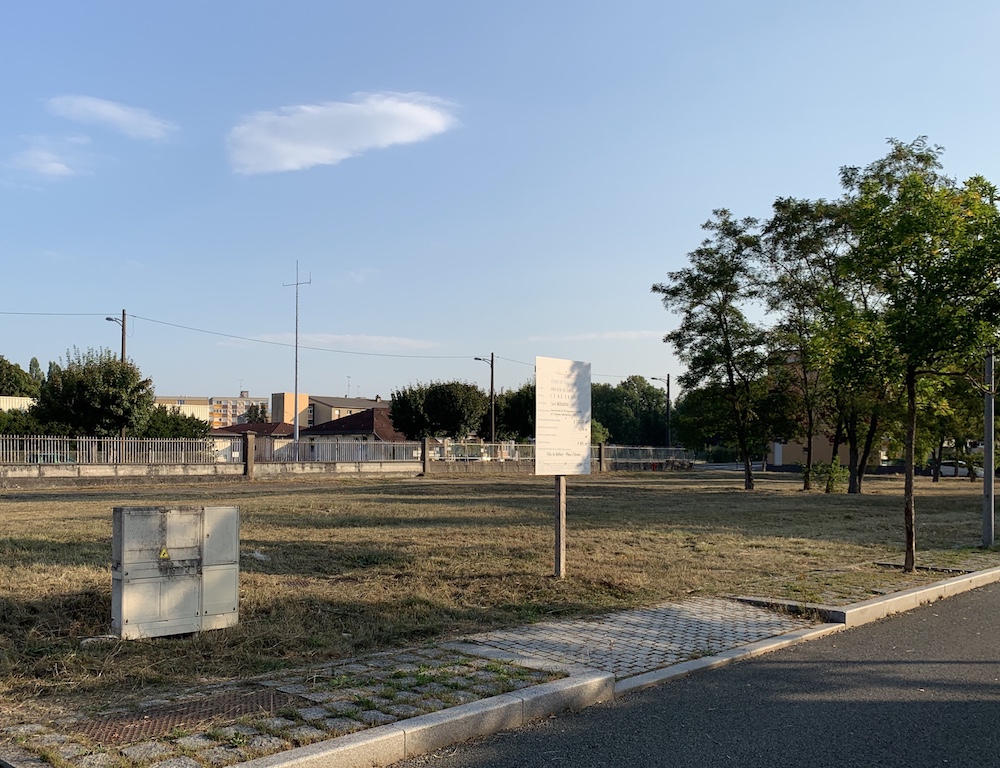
(364, 564)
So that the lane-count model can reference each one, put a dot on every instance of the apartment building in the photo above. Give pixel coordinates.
(226, 411)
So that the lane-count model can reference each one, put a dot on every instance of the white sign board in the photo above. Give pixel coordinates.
(562, 417)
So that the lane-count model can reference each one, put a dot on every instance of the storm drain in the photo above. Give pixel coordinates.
(154, 723)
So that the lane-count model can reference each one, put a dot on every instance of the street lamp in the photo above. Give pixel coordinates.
(120, 322)
(667, 382)
(123, 323)
(493, 411)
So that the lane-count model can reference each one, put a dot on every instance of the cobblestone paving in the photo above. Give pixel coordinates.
(320, 704)
(330, 701)
(632, 642)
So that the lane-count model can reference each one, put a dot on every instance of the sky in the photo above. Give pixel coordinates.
(444, 180)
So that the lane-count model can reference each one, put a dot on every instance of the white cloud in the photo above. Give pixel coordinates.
(52, 157)
(299, 137)
(133, 122)
(603, 336)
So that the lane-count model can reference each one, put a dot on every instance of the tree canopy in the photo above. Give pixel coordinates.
(94, 393)
(863, 302)
(15, 381)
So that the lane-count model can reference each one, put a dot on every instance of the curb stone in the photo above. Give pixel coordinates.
(387, 744)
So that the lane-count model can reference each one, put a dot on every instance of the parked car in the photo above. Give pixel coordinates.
(958, 468)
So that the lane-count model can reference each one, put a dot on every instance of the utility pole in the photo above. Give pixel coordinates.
(667, 382)
(493, 399)
(122, 323)
(295, 422)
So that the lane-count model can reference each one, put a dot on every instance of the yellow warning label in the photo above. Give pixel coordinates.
(164, 555)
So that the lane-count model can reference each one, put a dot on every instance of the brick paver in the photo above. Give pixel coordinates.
(338, 699)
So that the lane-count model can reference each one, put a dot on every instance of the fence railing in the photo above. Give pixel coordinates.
(116, 450)
(229, 450)
(332, 451)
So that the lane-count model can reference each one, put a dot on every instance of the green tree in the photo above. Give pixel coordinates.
(14, 382)
(256, 413)
(407, 412)
(802, 247)
(452, 409)
(455, 409)
(94, 393)
(22, 423)
(931, 250)
(35, 371)
(170, 422)
(598, 433)
(516, 413)
(634, 411)
(715, 339)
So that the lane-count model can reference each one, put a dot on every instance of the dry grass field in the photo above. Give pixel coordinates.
(349, 566)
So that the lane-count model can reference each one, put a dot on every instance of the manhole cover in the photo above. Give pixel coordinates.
(124, 728)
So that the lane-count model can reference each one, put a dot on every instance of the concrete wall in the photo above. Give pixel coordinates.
(42, 475)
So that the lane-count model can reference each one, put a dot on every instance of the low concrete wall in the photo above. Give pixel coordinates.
(480, 468)
(55, 475)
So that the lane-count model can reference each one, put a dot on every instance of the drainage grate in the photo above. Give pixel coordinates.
(125, 728)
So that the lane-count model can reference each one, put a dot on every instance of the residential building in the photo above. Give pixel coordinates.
(230, 410)
(11, 403)
(369, 425)
(271, 429)
(187, 406)
(324, 409)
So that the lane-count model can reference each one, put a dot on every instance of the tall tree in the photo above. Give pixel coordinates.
(14, 381)
(633, 411)
(256, 413)
(455, 409)
(95, 393)
(803, 242)
(407, 412)
(931, 248)
(715, 338)
(442, 409)
(35, 372)
(515, 413)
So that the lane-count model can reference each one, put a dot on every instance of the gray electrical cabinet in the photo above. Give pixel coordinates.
(174, 570)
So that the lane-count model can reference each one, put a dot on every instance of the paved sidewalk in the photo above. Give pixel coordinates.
(553, 665)
(629, 643)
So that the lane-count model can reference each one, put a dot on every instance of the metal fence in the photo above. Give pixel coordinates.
(229, 450)
(332, 451)
(117, 450)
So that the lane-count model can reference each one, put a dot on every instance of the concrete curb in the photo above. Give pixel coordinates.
(685, 668)
(856, 614)
(423, 734)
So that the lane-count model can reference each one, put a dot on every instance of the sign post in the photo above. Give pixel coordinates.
(562, 433)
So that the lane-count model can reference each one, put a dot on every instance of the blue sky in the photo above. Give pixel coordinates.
(453, 178)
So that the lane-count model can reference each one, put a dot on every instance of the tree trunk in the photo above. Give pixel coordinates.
(838, 437)
(909, 513)
(810, 428)
(853, 484)
(867, 451)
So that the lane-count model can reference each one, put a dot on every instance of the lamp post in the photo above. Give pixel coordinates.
(493, 412)
(120, 322)
(123, 323)
(667, 382)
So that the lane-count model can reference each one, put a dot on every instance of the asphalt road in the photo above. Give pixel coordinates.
(919, 689)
